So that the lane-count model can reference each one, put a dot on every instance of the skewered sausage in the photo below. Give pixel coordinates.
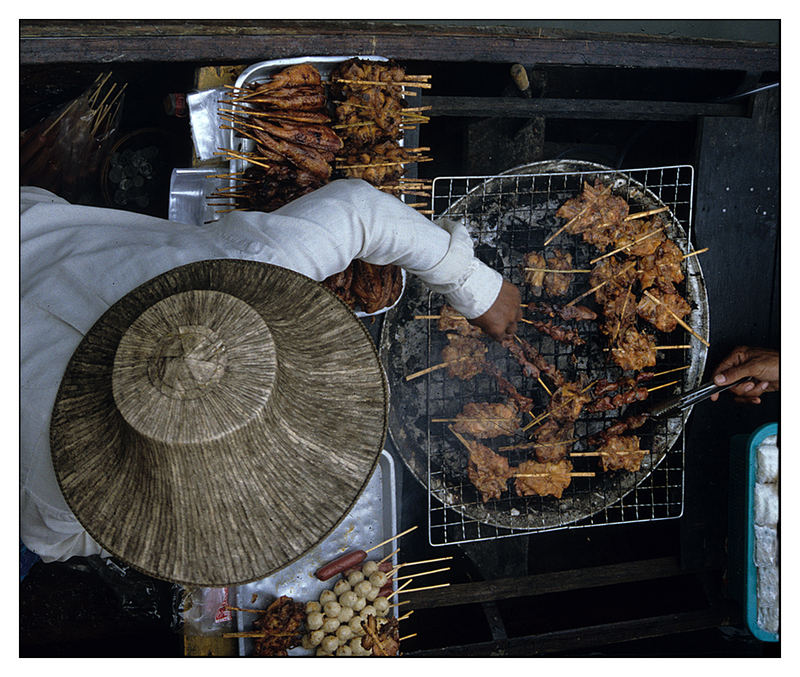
(340, 564)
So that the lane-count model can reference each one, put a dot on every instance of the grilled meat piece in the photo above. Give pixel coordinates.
(647, 234)
(466, 354)
(486, 420)
(621, 399)
(534, 278)
(596, 213)
(566, 313)
(521, 402)
(604, 386)
(538, 361)
(488, 471)
(662, 268)
(300, 75)
(662, 315)
(558, 332)
(634, 350)
(381, 637)
(451, 320)
(557, 284)
(282, 625)
(619, 428)
(621, 453)
(615, 276)
(554, 441)
(567, 402)
(555, 477)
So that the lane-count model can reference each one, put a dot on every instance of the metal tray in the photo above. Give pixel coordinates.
(372, 520)
(261, 72)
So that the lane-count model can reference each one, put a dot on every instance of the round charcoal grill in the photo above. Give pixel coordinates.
(509, 215)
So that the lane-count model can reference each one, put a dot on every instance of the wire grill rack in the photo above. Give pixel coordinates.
(509, 215)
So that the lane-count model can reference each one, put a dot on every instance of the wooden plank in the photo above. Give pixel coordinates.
(606, 109)
(580, 639)
(540, 584)
(242, 41)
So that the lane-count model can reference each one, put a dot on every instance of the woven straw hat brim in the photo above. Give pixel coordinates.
(271, 465)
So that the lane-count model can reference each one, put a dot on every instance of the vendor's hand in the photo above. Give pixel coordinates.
(761, 365)
(500, 321)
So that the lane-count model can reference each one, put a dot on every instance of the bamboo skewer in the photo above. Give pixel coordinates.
(405, 601)
(441, 365)
(673, 347)
(427, 587)
(679, 320)
(695, 253)
(596, 287)
(610, 453)
(396, 592)
(663, 385)
(385, 164)
(393, 538)
(627, 246)
(413, 634)
(649, 212)
(669, 371)
(546, 414)
(549, 474)
(557, 270)
(404, 616)
(565, 226)
(422, 573)
(533, 445)
(426, 561)
(401, 83)
(252, 611)
(389, 556)
(541, 383)
(252, 633)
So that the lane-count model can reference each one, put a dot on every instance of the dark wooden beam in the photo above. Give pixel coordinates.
(540, 584)
(601, 109)
(578, 640)
(214, 42)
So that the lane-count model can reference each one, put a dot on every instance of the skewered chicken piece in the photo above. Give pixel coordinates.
(299, 75)
(522, 402)
(615, 276)
(604, 386)
(621, 399)
(465, 355)
(554, 440)
(486, 420)
(383, 639)
(375, 287)
(556, 477)
(557, 332)
(662, 313)
(662, 268)
(622, 426)
(621, 453)
(643, 235)
(282, 624)
(634, 350)
(567, 313)
(594, 214)
(533, 361)
(557, 284)
(567, 402)
(451, 320)
(534, 277)
(488, 471)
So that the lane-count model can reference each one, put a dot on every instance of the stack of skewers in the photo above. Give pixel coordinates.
(304, 132)
(355, 616)
(78, 137)
(635, 278)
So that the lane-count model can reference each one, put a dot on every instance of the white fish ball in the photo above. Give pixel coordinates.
(355, 626)
(359, 604)
(314, 620)
(344, 651)
(313, 606)
(373, 593)
(327, 596)
(368, 610)
(346, 614)
(349, 598)
(315, 637)
(369, 567)
(332, 609)
(329, 625)
(361, 589)
(381, 605)
(378, 579)
(355, 578)
(344, 633)
(329, 644)
(340, 587)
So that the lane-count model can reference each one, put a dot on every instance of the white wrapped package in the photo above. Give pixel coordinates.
(767, 460)
(769, 618)
(767, 586)
(765, 549)
(765, 504)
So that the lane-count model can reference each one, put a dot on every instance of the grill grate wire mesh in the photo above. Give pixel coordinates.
(509, 215)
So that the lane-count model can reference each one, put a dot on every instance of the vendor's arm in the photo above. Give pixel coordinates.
(322, 232)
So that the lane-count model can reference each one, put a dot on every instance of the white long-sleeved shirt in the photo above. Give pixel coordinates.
(76, 262)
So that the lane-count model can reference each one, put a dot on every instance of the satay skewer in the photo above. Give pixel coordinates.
(547, 413)
(541, 383)
(669, 371)
(695, 253)
(386, 164)
(427, 587)
(393, 538)
(403, 617)
(549, 474)
(603, 283)
(558, 270)
(609, 453)
(627, 246)
(441, 365)
(421, 573)
(648, 212)
(565, 226)
(407, 583)
(677, 318)
(389, 556)
(426, 561)
(534, 445)
(413, 634)
(663, 385)
(400, 83)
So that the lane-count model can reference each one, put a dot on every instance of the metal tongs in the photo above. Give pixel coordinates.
(686, 400)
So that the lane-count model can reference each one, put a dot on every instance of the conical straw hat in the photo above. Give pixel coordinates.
(218, 422)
